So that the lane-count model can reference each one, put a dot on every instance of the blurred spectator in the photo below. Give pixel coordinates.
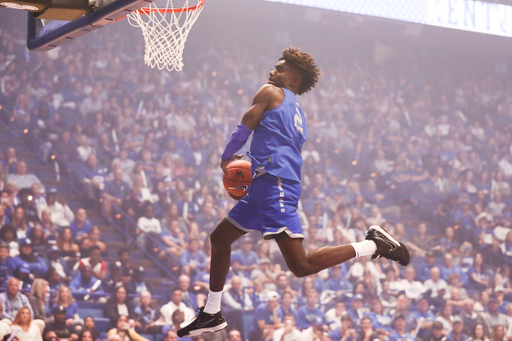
(10, 161)
(93, 239)
(445, 317)
(493, 317)
(115, 191)
(85, 282)
(22, 179)
(456, 334)
(147, 315)
(123, 329)
(39, 242)
(20, 223)
(61, 214)
(435, 283)
(381, 319)
(89, 325)
(172, 336)
(498, 333)
(7, 265)
(80, 227)
(63, 298)
(478, 333)
(289, 332)
(266, 321)
(176, 303)
(38, 300)
(436, 333)
(55, 262)
(470, 319)
(355, 310)
(423, 317)
(193, 260)
(49, 335)
(366, 332)
(7, 234)
(96, 262)
(36, 264)
(137, 284)
(86, 335)
(25, 328)
(12, 300)
(118, 304)
(62, 329)
(68, 249)
(334, 315)
(345, 332)
(173, 239)
(26, 197)
(189, 298)
(148, 224)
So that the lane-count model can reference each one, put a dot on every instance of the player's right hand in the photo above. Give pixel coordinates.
(224, 164)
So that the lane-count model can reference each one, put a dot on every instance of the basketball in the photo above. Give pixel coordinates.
(238, 180)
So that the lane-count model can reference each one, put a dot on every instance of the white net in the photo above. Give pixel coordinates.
(165, 31)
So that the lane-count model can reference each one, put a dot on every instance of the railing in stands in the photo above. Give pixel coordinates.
(74, 180)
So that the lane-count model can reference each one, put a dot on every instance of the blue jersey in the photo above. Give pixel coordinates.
(277, 140)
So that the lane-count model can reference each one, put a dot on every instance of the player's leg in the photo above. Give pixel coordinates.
(302, 264)
(281, 222)
(240, 220)
(222, 238)
(378, 243)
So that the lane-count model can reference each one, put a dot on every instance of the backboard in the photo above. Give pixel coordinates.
(44, 34)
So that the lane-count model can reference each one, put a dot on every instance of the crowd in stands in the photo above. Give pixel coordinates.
(427, 157)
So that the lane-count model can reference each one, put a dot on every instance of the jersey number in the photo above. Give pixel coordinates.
(298, 122)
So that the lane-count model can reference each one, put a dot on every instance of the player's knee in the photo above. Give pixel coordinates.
(216, 239)
(299, 270)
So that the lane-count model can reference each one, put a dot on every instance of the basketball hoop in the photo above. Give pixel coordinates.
(165, 31)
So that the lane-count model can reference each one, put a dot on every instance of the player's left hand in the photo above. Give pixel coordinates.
(224, 164)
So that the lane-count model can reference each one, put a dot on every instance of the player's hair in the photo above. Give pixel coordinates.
(305, 64)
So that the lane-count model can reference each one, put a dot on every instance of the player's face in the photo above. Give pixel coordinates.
(282, 75)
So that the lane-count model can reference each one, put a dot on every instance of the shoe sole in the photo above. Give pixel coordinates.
(206, 330)
(381, 230)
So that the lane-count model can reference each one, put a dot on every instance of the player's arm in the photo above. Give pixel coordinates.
(267, 98)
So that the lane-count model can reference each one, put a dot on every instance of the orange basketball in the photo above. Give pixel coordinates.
(239, 178)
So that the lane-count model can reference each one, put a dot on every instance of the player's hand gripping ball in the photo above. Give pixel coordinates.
(238, 179)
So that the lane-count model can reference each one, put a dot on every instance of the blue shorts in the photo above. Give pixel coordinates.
(269, 207)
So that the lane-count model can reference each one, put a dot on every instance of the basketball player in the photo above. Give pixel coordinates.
(270, 206)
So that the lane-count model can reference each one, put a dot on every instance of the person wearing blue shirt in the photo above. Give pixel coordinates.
(286, 307)
(36, 264)
(355, 311)
(337, 283)
(456, 334)
(115, 191)
(80, 226)
(400, 333)
(379, 319)
(423, 317)
(423, 270)
(7, 265)
(265, 321)
(448, 268)
(84, 282)
(193, 260)
(309, 312)
(345, 331)
(248, 258)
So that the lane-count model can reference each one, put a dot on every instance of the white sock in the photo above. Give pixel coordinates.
(364, 248)
(213, 302)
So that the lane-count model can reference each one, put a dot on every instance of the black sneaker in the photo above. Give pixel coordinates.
(203, 323)
(387, 246)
